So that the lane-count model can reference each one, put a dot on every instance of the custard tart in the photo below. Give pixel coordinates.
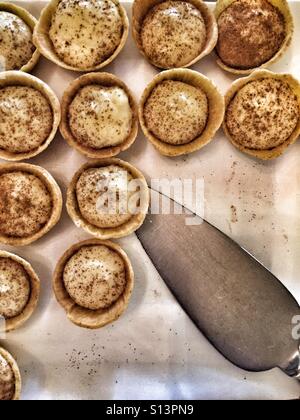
(10, 378)
(180, 111)
(99, 115)
(252, 33)
(108, 198)
(263, 113)
(173, 33)
(30, 203)
(93, 282)
(82, 35)
(19, 290)
(29, 116)
(17, 51)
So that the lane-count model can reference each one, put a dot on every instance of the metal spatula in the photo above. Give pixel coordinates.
(238, 304)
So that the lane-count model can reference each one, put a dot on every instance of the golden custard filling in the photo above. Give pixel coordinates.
(103, 196)
(7, 380)
(176, 112)
(100, 116)
(26, 119)
(251, 32)
(95, 277)
(85, 33)
(173, 34)
(263, 114)
(14, 288)
(16, 46)
(25, 204)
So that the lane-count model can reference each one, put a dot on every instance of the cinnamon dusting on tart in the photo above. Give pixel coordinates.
(26, 119)
(251, 32)
(25, 204)
(263, 114)
(176, 112)
(95, 277)
(14, 288)
(16, 46)
(85, 33)
(173, 34)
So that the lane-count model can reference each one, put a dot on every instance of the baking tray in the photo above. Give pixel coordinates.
(154, 350)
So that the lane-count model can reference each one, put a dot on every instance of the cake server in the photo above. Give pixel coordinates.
(242, 308)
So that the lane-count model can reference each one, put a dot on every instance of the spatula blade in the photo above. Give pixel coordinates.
(244, 310)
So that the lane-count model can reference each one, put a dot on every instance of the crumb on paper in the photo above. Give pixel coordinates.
(232, 175)
(234, 217)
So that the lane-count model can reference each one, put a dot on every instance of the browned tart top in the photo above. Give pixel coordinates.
(100, 116)
(263, 114)
(25, 204)
(7, 380)
(95, 277)
(251, 32)
(176, 112)
(93, 191)
(85, 33)
(16, 47)
(26, 119)
(173, 34)
(14, 288)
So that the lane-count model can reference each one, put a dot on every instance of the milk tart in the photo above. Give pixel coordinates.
(17, 51)
(29, 116)
(93, 282)
(173, 33)
(180, 111)
(108, 198)
(19, 290)
(99, 115)
(252, 33)
(82, 35)
(10, 377)
(30, 203)
(263, 113)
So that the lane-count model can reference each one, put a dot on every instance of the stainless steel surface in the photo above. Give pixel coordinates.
(238, 304)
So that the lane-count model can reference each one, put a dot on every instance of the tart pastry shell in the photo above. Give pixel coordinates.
(86, 318)
(43, 42)
(106, 80)
(53, 189)
(18, 381)
(215, 111)
(142, 7)
(31, 22)
(239, 84)
(12, 324)
(283, 7)
(127, 228)
(16, 78)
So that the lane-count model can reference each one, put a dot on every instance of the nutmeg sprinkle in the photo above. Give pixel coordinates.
(16, 47)
(25, 204)
(100, 116)
(26, 119)
(7, 380)
(14, 288)
(173, 34)
(99, 188)
(251, 32)
(95, 277)
(85, 33)
(176, 112)
(263, 114)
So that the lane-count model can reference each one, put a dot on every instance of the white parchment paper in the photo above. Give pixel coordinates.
(154, 350)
